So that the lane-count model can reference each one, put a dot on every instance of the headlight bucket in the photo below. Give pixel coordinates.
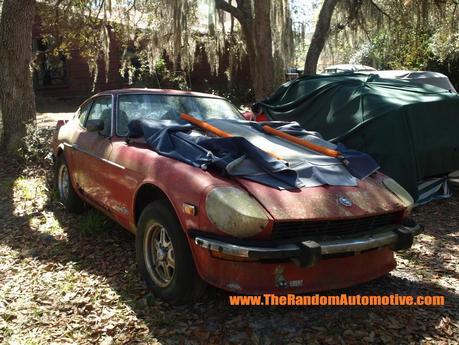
(235, 212)
(400, 192)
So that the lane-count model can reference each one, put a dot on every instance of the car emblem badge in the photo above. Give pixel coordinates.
(345, 201)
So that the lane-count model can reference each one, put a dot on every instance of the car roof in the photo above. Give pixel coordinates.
(170, 92)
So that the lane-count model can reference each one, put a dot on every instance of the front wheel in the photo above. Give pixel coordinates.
(164, 257)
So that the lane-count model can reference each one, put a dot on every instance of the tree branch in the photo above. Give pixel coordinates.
(320, 36)
(132, 6)
(234, 11)
(380, 10)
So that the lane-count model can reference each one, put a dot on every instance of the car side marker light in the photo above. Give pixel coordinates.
(189, 209)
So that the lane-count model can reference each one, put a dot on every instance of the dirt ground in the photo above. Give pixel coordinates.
(50, 110)
(72, 279)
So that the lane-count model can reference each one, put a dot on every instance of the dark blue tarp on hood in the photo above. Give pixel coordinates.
(237, 156)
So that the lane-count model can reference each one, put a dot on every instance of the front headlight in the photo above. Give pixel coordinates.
(235, 212)
(400, 192)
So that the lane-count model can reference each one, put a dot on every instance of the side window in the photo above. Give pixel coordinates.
(83, 112)
(151, 107)
(102, 110)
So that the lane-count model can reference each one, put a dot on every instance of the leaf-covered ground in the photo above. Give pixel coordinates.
(68, 279)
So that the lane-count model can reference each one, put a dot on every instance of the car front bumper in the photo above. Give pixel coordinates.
(298, 267)
(308, 253)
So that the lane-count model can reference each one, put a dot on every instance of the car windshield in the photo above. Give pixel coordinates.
(169, 107)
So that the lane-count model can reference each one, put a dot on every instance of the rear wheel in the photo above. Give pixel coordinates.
(164, 257)
(63, 185)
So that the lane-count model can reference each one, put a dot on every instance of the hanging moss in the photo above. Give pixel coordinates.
(145, 29)
(401, 34)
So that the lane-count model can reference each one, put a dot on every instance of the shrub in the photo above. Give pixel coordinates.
(36, 148)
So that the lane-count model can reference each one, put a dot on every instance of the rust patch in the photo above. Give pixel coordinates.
(279, 277)
(322, 202)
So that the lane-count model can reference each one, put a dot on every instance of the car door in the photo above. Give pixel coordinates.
(91, 152)
(125, 162)
(73, 156)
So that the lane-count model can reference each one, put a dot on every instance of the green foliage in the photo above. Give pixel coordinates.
(238, 94)
(161, 76)
(36, 148)
(393, 34)
(93, 223)
(144, 30)
(414, 54)
(445, 44)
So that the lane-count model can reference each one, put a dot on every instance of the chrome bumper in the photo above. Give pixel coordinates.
(308, 253)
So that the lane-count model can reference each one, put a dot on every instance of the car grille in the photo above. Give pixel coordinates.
(332, 229)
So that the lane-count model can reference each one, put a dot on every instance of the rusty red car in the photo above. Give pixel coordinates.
(195, 226)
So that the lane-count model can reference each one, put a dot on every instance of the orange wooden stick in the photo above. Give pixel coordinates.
(215, 130)
(324, 150)
(205, 125)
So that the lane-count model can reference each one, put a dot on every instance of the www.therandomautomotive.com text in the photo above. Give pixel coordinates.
(338, 300)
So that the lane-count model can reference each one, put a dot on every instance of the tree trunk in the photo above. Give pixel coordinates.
(256, 30)
(17, 99)
(263, 65)
(320, 36)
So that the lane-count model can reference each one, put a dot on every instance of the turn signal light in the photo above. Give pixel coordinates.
(189, 209)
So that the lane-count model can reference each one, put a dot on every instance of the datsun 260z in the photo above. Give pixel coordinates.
(205, 210)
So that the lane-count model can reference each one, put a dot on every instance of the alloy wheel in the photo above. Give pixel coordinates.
(159, 255)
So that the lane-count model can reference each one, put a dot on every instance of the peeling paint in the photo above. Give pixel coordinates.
(370, 197)
(279, 277)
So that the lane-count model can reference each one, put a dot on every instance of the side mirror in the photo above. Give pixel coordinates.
(95, 125)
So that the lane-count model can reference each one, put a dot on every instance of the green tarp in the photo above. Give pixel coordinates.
(411, 130)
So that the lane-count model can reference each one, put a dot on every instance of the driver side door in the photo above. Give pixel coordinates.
(92, 151)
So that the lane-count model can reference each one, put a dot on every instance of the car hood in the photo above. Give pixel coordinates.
(325, 202)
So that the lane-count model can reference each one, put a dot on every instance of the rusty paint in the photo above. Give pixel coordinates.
(182, 183)
(289, 278)
(316, 203)
(279, 278)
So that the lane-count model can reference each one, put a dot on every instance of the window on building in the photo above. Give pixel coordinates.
(50, 69)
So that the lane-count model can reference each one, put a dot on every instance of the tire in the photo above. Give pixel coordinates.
(164, 257)
(64, 187)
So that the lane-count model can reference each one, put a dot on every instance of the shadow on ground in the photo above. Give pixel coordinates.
(109, 256)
